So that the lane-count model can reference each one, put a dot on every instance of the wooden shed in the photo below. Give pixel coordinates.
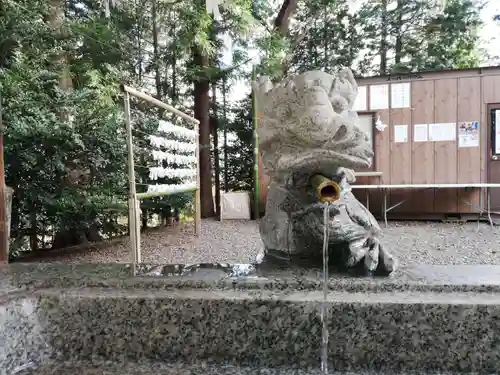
(439, 129)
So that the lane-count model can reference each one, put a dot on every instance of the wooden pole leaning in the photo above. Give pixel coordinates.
(134, 202)
(255, 121)
(4, 224)
(197, 198)
(135, 239)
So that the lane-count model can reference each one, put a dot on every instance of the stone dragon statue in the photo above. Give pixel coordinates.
(310, 144)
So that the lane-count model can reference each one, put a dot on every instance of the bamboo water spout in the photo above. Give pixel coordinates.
(325, 189)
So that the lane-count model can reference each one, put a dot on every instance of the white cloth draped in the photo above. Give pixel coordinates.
(174, 158)
(170, 188)
(159, 172)
(167, 127)
(189, 147)
(160, 142)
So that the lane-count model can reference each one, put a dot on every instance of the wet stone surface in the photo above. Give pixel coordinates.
(268, 275)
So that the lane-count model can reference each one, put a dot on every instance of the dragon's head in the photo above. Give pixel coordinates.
(307, 124)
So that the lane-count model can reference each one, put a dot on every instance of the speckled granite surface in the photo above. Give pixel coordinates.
(381, 331)
(160, 368)
(428, 319)
(21, 339)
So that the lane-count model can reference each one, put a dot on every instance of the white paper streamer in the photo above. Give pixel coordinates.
(167, 127)
(165, 188)
(159, 172)
(171, 144)
(183, 174)
(173, 158)
(380, 125)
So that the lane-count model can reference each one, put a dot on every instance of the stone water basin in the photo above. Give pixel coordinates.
(204, 319)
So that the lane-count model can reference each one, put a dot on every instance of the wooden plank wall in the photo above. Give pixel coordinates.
(441, 100)
(440, 97)
(490, 95)
(470, 160)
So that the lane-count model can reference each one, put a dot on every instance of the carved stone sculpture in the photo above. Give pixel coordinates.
(310, 144)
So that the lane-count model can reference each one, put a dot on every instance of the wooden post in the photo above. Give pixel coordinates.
(132, 200)
(197, 199)
(134, 211)
(4, 227)
(137, 237)
(255, 113)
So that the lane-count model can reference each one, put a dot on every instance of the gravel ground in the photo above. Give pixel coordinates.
(238, 241)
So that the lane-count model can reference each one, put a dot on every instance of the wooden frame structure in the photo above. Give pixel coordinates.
(134, 197)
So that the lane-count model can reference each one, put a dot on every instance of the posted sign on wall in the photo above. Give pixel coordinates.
(468, 134)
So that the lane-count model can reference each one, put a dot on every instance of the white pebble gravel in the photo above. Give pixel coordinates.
(239, 241)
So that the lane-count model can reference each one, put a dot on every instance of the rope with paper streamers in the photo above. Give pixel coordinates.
(176, 153)
(168, 153)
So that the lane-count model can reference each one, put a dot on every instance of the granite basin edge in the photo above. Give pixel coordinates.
(16, 278)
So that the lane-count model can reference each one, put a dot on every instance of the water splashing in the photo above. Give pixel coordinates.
(324, 304)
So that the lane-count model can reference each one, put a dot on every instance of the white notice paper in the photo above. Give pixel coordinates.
(400, 95)
(400, 133)
(468, 134)
(379, 97)
(420, 133)
(361, 103)
(443, 132)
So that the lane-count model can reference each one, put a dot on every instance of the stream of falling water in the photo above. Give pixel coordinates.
(324, 304)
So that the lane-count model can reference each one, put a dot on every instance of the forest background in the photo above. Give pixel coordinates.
(61, 63)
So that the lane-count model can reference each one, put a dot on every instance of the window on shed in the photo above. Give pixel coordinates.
(365, 123)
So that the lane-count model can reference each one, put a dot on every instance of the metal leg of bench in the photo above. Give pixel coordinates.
(488, 205)
(384, 192)
(481, 208)
(368, 199)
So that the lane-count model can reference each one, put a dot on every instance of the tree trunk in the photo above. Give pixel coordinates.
(202, 113)
(93, 233)
(33, 232)
(55, 20)
(383, 39)
(156, 52)
(282, 24)
(65, 236)
(282, 21)
(326, 42)
(399, 34)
